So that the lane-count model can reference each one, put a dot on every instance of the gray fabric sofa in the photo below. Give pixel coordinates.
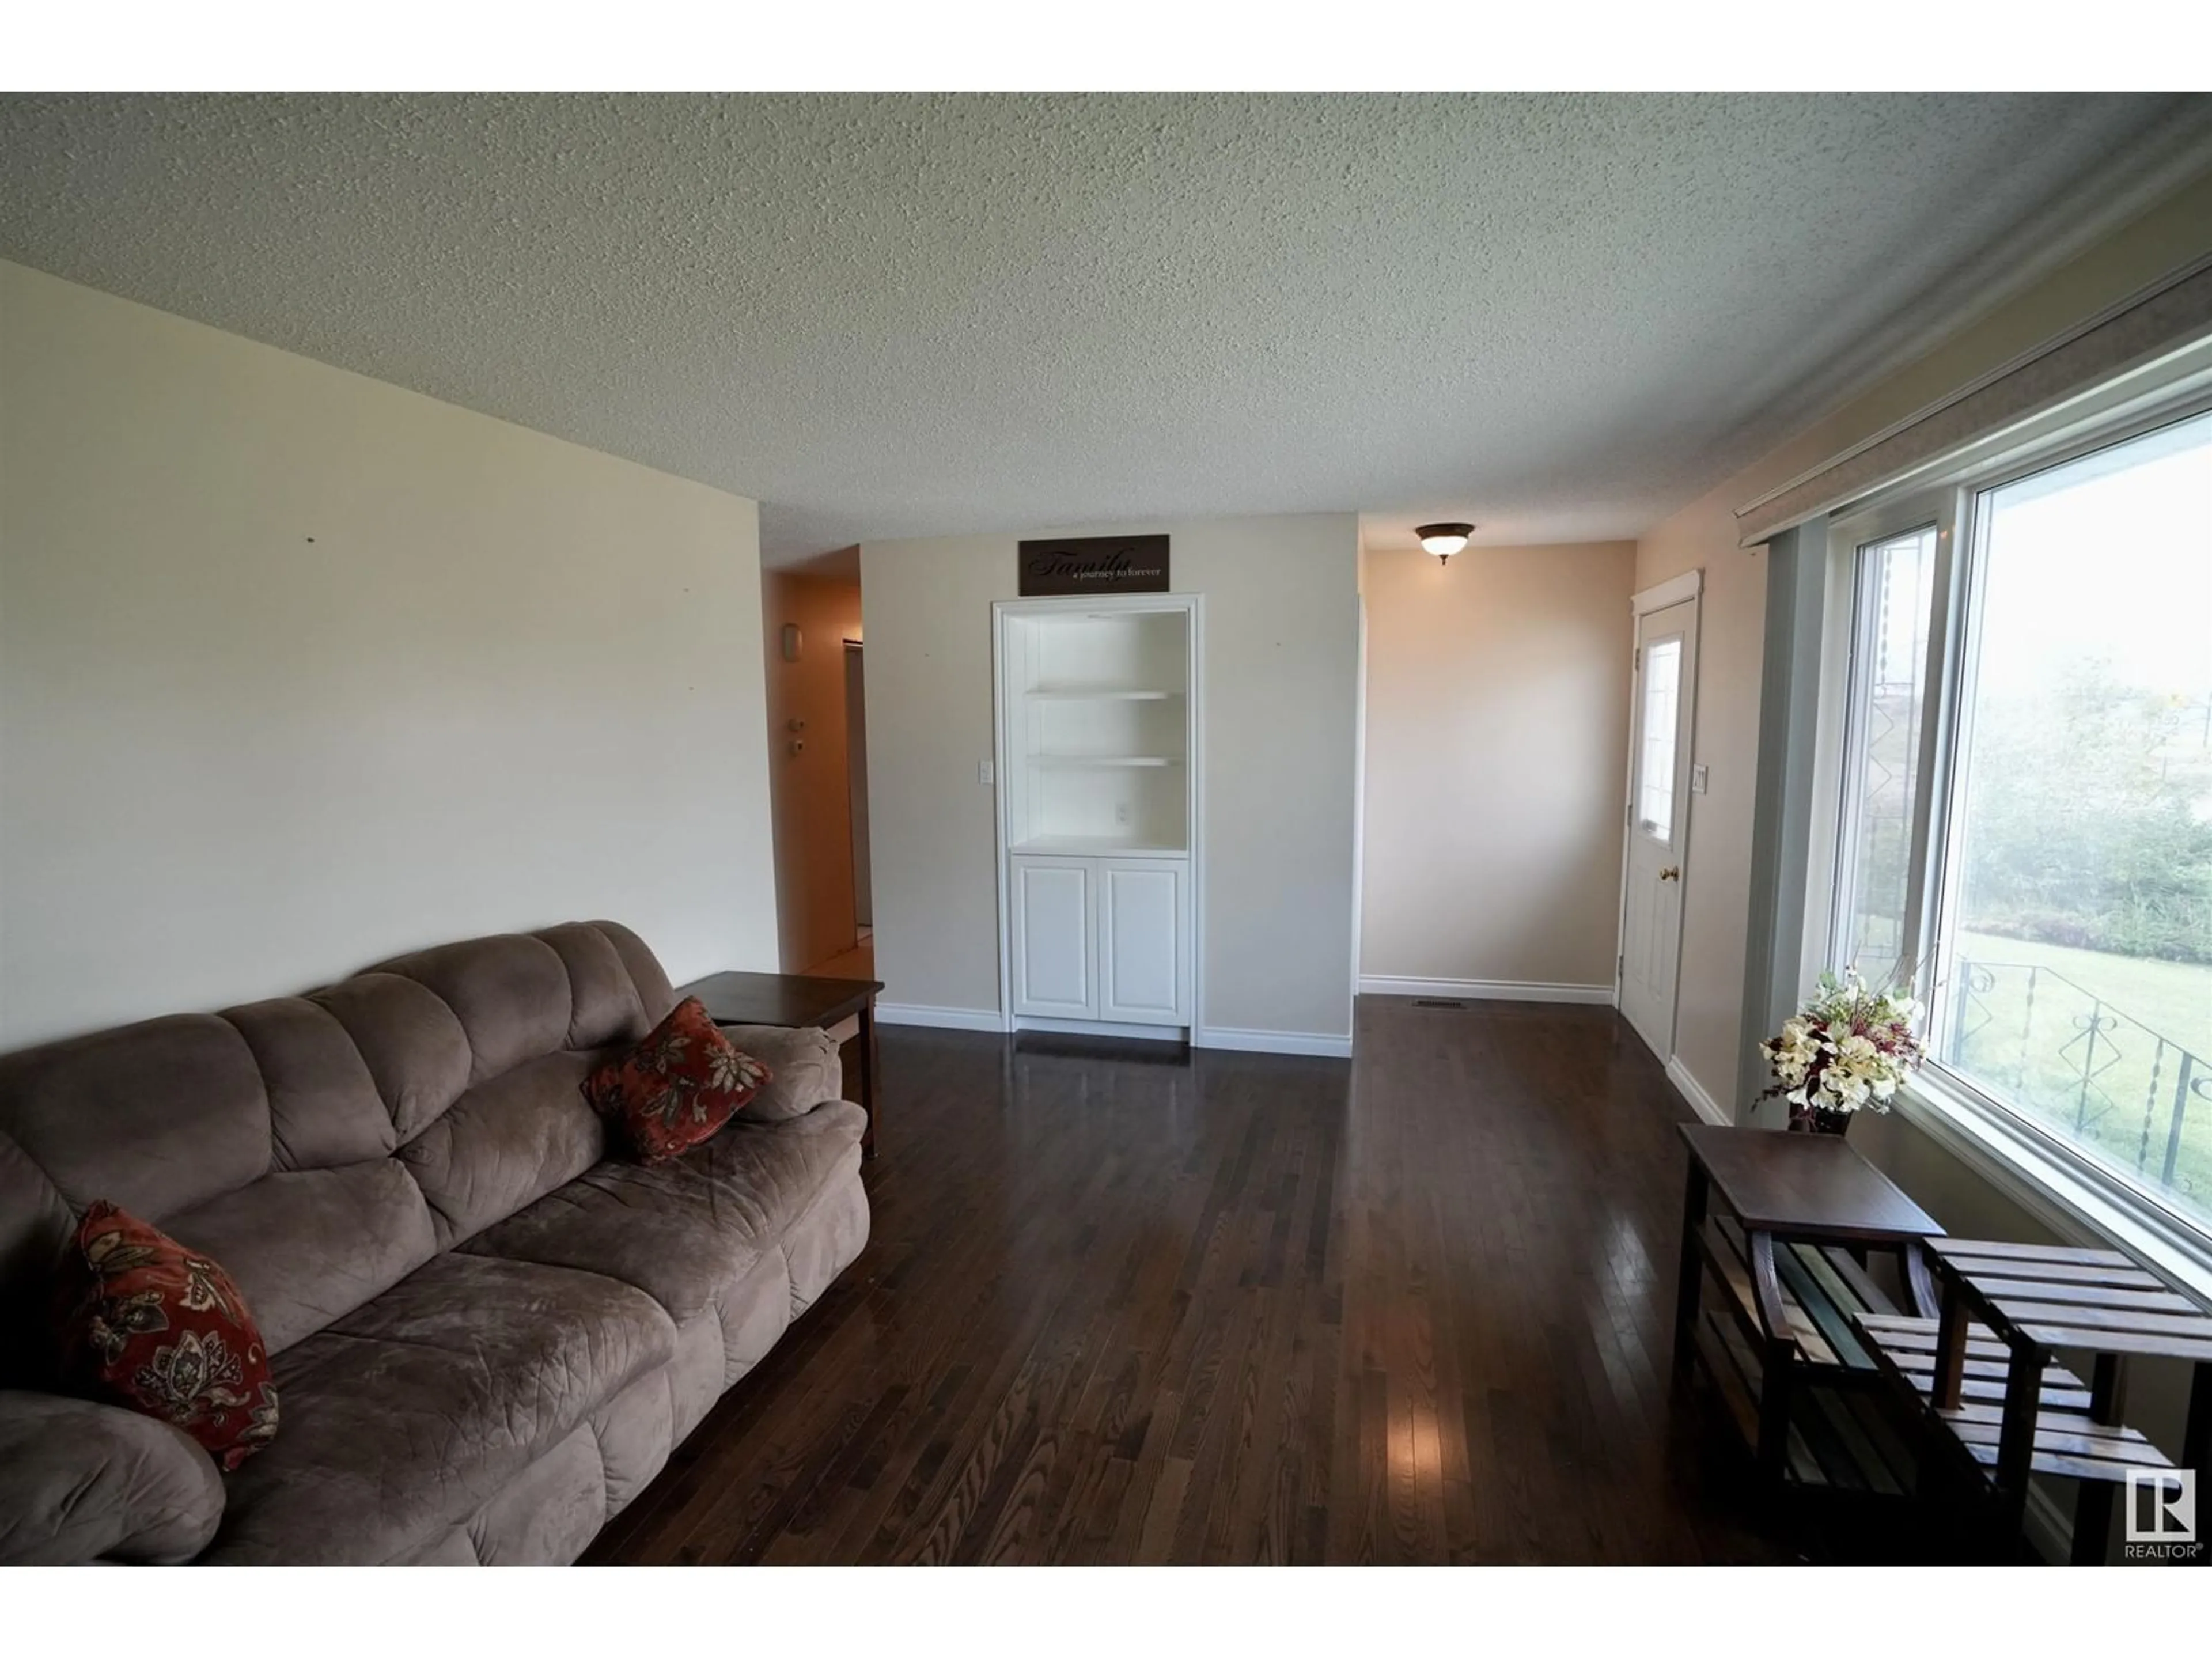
(487, 1333)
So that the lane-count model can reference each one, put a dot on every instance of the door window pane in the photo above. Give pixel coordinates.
(2078, 987)
(1896, 584)
(1663, 691)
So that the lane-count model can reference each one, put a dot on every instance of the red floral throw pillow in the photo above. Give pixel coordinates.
(148, 1324)
(676, 1088)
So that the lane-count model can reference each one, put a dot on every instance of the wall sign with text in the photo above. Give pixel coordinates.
(1094, 564)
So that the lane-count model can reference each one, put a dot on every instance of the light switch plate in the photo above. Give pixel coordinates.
(1697, 780)
(985, 772)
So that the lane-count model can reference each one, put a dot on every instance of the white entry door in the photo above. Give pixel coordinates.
(1658, 820)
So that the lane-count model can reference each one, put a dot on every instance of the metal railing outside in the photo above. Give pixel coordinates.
(2094, 1072)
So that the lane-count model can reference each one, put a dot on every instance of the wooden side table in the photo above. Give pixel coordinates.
(1799, 1214)
(735, 999)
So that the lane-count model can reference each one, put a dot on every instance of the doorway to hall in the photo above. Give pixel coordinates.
(817, 767)
(860, 961)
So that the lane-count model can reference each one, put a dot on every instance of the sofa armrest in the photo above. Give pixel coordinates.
(807, 1067)
(79, 1481)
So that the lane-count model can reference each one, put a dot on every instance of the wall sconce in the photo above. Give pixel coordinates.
(1444, 540)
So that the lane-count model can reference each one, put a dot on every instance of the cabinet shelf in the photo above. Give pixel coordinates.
(1095, 846)
(1099, 693)
(1105, 760)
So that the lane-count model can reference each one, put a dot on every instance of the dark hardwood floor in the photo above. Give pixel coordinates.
(1241, 1308)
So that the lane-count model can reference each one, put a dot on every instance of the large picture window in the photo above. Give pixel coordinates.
(2050, 893)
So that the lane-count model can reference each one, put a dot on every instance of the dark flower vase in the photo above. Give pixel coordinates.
(1819, 1120)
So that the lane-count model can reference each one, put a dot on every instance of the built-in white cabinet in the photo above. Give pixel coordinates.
(1100, 939)
(1098, 711)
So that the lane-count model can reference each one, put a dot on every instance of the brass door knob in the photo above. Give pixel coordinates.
(1672, 872)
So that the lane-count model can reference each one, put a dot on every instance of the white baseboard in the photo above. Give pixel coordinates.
(1210, 1036)
(1272, 1042)
(1694, 1092)
(950, 1020)
(1101, 1028)
(1488, 990)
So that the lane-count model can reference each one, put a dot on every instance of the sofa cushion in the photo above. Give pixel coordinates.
(79, 1481)
(605, 1007)
(664, 1229)
(148, 1324)
(675, 1089)
(510, 992)
(507, 1142)
(654, 993)
(156, 1116)
(324, 1106)
(772, 1172)
(804, 1066)
(309, 1246)
(412, 1044)
(684, 1232)
(407, 1416)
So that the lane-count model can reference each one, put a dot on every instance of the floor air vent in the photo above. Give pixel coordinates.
(1437, 1002)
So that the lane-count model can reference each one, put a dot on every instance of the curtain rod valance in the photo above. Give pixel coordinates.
(2170, 313)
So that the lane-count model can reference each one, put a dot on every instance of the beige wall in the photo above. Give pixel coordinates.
(1496, 755)
(298, 670)
(1716, 900)
(931, 832)
(811, 792)
(1281, 697)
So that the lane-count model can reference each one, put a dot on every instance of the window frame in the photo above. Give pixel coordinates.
(1924, 510)
(2053, 1176)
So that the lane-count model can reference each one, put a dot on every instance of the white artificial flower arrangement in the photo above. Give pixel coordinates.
(1844, 1051)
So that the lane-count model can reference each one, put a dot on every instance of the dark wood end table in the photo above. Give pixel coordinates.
(1801, 1211)
(735, 999)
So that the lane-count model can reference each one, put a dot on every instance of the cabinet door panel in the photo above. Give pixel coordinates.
(1052, 945)
(1143, 973)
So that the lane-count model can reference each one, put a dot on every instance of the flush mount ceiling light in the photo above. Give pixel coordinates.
(1444, 540)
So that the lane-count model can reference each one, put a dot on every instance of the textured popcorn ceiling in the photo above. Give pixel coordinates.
(1561, 317)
